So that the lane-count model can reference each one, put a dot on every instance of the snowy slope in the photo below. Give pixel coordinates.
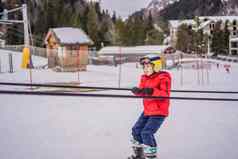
(158, 5)
(87, 128)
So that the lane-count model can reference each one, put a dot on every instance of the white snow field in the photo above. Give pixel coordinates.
(43, 127)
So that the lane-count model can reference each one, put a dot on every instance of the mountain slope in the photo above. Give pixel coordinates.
(181, 9)
(191, 8)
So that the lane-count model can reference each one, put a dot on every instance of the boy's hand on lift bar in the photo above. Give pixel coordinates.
(147, 91)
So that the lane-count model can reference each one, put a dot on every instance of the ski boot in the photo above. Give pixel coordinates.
(138, 152)
(150, 152)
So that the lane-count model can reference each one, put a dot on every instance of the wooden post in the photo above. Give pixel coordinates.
(10, 63)
(198, 74)
(207, 70)
(181, 71)
(78, 61)
(119, 80)
(202, 71)
(0, 65)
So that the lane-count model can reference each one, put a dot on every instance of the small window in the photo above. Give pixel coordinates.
(234, 33)
(234, 45)
(234, 52)
(210, 26)
(234, 22)
(234, 28)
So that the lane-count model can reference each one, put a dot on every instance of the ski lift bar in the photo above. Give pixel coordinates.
(106, 88)
(43, 93)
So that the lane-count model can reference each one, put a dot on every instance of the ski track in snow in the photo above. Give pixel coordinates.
(33, 127)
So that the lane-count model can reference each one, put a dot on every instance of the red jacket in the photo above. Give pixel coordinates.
(161, 84)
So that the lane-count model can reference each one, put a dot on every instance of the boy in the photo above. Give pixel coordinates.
(153, 83)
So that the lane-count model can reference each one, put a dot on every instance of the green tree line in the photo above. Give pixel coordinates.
(102, 27)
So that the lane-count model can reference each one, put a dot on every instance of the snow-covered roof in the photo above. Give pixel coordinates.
(204, 24)
(177, 23)
(147, 49)
(174, 23)
(167, 40)
(234, 39)
(70, 35)
(218, 18)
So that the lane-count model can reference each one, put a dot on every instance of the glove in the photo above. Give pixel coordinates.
(136, 90)
(147, 91)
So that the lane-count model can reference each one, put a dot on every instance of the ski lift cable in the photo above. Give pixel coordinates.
(107, 88)
(42, 93)
(11, 11)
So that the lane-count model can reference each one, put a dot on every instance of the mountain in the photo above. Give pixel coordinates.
(191, 8)
(182, 9)
(155, 6)
(230, 7)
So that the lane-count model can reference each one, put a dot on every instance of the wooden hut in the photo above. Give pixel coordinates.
(67, 48)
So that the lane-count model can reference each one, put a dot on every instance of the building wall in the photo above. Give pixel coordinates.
(51, 47)
(173, 34)
(234, 47)
(74, 56)
(233, 34)
(51, 50)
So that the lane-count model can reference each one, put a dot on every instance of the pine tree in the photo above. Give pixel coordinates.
(216, 38)
(120, 32)
(136, 32)
(154, 37)
(84, 20)
(98, 10)
(183, 39)
(75, 21)
(92, 26)
(114, 17)
(1, 8)
(226, 36)
(220, 39)
(149, 22)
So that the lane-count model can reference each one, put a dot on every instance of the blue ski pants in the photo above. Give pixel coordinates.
(144, 129)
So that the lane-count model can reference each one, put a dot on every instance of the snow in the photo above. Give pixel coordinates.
(147, 49)
(159, 5)
(204, 24)
(177, 23)
(88, 128)
(234, 39)
(167, 40)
